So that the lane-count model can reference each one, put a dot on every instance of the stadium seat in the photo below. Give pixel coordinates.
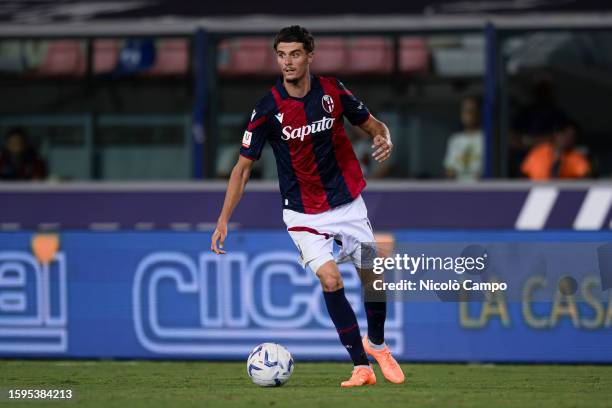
(414, 57)
(331, 55)
(63, 57)
(106, 55)
(172, 58)
(224, 54)
(370, 55)
(464, 58)
(247, 56)
(11, 56)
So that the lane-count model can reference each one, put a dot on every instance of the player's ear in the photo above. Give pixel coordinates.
(310, 56)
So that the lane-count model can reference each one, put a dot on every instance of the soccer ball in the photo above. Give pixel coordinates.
(270, 365)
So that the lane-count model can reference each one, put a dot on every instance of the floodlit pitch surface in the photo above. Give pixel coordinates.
(225, 384)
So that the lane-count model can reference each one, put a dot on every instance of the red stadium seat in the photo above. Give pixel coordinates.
(106, 55)
(247, 56)
(63, 57)
(370, 55)
(414, 57)
(331, 55)
(172, 58)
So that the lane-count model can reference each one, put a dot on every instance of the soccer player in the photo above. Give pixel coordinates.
(320, 181)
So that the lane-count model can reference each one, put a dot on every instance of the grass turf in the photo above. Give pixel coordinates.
(224, 384)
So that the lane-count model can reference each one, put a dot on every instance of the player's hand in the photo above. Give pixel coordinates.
(382, 148)
(218, 238)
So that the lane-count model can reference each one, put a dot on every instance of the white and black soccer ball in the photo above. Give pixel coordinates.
(270, 365)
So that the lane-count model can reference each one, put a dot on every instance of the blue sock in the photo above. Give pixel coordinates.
(344, 319)
(376, 313)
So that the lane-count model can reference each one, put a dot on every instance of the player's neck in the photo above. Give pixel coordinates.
(299, 88)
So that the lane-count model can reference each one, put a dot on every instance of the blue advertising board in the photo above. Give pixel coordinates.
(164, 295)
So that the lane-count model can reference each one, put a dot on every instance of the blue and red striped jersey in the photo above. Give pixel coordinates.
(317, 167)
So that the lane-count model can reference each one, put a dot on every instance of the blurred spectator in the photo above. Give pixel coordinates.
(535, 122)
(463, 159)
(19, 160)
(557, 158)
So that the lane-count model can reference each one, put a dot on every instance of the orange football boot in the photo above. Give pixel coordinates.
(360, 376)
(390, 368)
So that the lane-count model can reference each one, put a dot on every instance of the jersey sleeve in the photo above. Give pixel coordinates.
(353, 109)
(254, 137)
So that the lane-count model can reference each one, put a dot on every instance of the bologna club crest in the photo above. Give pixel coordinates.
(328, 103)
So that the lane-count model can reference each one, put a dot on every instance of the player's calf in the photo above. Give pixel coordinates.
(341, 312)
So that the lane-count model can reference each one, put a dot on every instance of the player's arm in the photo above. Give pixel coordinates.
(235, 187)
(379, 132)
(252, 145)
(357, 113)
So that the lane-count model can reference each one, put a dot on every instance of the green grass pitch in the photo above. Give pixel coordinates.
(225, 384)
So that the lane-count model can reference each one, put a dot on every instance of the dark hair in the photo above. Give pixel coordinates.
(476, 98)
(17, 130)
(295, 34)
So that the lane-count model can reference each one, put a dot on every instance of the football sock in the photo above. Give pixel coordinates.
(344, 319)
(376, 346)
(376, 313)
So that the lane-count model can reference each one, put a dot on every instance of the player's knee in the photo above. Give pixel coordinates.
(329, 276)
(331, 283)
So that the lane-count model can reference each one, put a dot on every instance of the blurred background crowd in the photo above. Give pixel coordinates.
(463, 102)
